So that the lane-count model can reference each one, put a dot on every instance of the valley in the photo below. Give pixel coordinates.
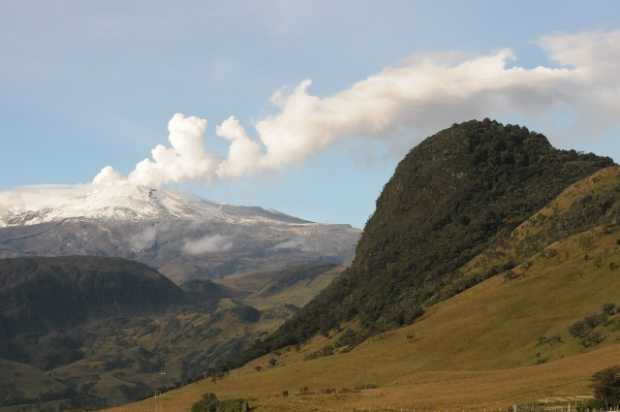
(488, 276)
(64, 347)
(309, 206)
(524, 316)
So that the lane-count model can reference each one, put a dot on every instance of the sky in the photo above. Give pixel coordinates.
(89, 84)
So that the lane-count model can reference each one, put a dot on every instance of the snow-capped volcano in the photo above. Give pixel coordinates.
(182, 235)
(119, 202)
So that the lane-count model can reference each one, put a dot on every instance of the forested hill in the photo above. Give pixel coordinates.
(39, 294)
(450, 198)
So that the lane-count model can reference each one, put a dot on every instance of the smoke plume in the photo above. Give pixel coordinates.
(422, 95)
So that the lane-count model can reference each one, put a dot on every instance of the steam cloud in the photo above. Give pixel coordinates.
(424, 94)
(143, 240)
(208, 244)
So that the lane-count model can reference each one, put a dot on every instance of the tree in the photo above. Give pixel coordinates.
(606, 385)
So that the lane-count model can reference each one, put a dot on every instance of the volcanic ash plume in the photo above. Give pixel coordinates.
(424, 94)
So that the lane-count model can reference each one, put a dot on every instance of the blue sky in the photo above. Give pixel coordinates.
(89, 84)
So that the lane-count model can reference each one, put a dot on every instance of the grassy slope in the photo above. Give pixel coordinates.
(298, 294)
(478, 348)
(563, 216)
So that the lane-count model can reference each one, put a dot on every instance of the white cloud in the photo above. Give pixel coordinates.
(107, 175)
(208, 244)
(415, 99)
(244, 154)
(143, 240)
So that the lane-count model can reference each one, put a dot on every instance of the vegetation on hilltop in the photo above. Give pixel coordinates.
(523, 308)
(450, 198)
(505, 341)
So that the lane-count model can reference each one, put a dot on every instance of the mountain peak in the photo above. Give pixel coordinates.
(118, 202)
(449, 198)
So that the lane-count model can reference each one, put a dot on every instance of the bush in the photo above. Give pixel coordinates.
(326, 351)
(579, 329)
(210, 403)
(606, 386)
(551, 340)
(365, 386)
(610, 309)
(348, 338)
(584, 327)
(511, 275)
(592, 339)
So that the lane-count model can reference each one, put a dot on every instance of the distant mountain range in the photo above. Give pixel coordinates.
(85, 323)
(87, 332)
(490, 254)
(183, 236)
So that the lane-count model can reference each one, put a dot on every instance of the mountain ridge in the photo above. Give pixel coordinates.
(32, 205)
(182, 236)
(449, 198)
(47, 293)
(90, 331)
(521, 309)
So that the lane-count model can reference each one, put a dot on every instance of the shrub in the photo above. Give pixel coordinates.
(348, 338)
(326, 351)
(610, 309)
(592, 339)
(366, 386)
(606, 386)
(579, 329)
(584, 327)
(551, 340)
(510, 275)
(210, 403)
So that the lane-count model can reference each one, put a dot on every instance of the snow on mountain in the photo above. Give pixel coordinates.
(181, 235)
(120, 202)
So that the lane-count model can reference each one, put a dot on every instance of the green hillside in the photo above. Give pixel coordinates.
(498, 256)
(506, 340)
(451, 197)
(89, 332)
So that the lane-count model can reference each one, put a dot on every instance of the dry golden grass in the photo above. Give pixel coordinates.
(479, 349)
(298, 294)
(536, 232)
